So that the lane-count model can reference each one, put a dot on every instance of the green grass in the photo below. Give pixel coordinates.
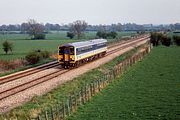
(63, 91)
(149, 90)
(22, 47)
(23, 44)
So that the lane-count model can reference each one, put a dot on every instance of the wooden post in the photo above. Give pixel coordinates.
(91, 92)
(70, 103)
(82, 96)
(94, 88)
(46, 115)
(79, 98)
(39, 117)
(73, 103)
(99, 89)
(76, 102)
(85, 93)
(68, 107)
(52, 114)
(64, 110)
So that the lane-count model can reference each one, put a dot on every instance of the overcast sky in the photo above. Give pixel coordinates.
(92, 11)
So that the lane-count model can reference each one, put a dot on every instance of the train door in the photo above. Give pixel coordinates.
(66, 54)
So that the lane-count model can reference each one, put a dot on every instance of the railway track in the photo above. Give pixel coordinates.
(27, 72)
(19, 88)
(24, 73)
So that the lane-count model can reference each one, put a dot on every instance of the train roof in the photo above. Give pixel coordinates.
(86, 43)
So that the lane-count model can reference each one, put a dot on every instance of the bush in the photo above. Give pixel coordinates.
(40, 36)
(7, 46)
(33, 57)
(70, 35)
(45, 54)
(176, 40)
(9, 65)
(166, 40)
(101, 34)
(156, 38)
(112, 34)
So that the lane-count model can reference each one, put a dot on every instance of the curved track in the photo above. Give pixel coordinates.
(16, 89)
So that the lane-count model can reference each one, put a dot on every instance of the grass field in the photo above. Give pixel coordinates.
(149, 90)
(23, 44)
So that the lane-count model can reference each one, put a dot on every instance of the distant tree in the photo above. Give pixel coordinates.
(112, 34)
(7, 46)
(101, 34)
(24, 27)
(176, 40)
(78, 27)
(165, 40)
(155, 38)
(35, 29)
(70, 35)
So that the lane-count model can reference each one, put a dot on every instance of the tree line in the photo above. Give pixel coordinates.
(158, 38)
(113, 27)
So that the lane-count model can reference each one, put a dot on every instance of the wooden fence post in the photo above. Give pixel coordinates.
(82, 98)
(85, 91)
(68, 107)
(64, 110)
(52, 114)
(46, 115)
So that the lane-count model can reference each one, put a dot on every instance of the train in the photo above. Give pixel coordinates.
(77, 53)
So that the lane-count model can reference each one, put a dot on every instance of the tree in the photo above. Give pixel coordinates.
(165, 40)
(112, 34)
(7, 46)
(102, 34)
(24, 27)
(78, 27)
(155, 38)
(35, 30)
(70, 35)
(176, 40)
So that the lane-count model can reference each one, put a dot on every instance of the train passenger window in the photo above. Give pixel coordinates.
(84, 49)
(101, 45)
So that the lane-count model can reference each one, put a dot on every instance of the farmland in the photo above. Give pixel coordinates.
(23, 44)
(149, 90)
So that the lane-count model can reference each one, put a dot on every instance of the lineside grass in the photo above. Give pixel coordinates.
(149, 90)
(58, 95)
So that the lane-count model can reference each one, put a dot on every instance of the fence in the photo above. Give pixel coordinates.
(61, 111)
(66, 108)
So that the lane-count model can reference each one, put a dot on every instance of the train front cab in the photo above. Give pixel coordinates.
(66, 56)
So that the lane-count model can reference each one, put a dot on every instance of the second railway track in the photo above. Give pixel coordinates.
(16, 89)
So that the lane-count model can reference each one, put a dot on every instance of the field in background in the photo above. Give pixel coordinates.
(149, 90)
(23, 44)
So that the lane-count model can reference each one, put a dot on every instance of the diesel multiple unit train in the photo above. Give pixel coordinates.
(77, 53)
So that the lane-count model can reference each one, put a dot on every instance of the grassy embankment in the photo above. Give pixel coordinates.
(58, 95)
(149, 90)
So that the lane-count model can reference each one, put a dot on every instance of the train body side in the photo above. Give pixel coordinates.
(74, 54)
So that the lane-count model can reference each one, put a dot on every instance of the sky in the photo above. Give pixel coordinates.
(92, 11)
